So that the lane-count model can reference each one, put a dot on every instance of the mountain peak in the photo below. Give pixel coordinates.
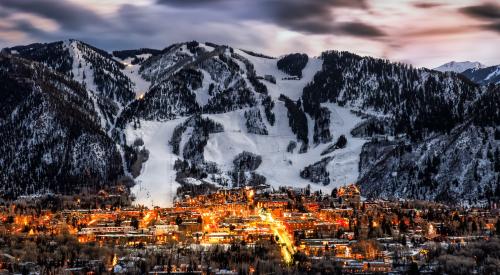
(459, 67)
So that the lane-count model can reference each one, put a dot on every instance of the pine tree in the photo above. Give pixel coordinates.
(334, 192)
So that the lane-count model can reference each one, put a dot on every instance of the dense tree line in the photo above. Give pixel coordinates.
(124, 54)
(297, 120)
(51, 133)
(54, 54)
(268, 104)
(414, 97)
(254, 123)
(293, 64)
(167, 99)
(317, 172)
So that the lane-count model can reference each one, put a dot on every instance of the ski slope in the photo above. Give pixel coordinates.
(291, 88)
(141, 86)
(156, 185)
(280, 167)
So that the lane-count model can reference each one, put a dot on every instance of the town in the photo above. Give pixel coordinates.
(247, 230)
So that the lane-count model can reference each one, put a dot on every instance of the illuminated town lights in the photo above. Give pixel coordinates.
(431, 229)
(115, 260)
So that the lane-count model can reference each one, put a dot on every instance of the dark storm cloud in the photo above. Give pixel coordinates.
(309, 16)
(135, 20)
(486, 11)
(24, 26)
(264, 3)
(361, 29)
(427, 5)
(21, 25)
(189, 3)
(306, 16)
(217, 21)
(493, 27)
(70, 16)
(3, 12)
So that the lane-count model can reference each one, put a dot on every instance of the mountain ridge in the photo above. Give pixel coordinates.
(484, 76)
(459, 67)
(291, 121)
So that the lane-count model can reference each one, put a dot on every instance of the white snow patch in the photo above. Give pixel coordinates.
(141, 85)
(494, 73)
(202, 96)
(82, 72)
(344, 166)
(459, 67)
(193, 181)
(291, 88)
(278, 166)
(206, 47)
(156, 184)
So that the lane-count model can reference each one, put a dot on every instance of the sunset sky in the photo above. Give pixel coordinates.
(423, 33)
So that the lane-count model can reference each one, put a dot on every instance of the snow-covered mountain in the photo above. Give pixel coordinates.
(484, 76)
(459, 67)
(474, 71)
(102, 76)
(52, 139)
(200, 112)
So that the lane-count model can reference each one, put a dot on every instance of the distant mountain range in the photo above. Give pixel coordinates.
(75, 118)
(484, 76)
(475, 71)
(459, 67)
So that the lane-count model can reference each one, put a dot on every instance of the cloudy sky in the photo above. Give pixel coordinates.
(423, 33)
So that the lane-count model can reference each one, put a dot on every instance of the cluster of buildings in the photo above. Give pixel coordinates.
(357, 235)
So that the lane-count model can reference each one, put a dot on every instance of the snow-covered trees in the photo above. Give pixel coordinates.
(317, 172)
(293, 64)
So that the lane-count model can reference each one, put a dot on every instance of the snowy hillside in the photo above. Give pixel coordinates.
(52, 139)
(102, 76)
(293, 87)
(223, 147)
(459, 67)
(484, 76)
(156, 183)
(141, 85)
(196, 113)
